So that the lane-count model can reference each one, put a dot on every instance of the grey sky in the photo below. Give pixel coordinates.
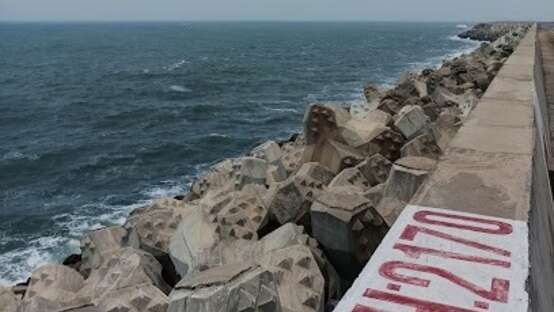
(412, 10)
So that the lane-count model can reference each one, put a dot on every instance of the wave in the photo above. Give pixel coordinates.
(218, 135)
(282, 110)
(436, 62)
(176, 65)
(17, 264)
(181, 89)
(462, 26)
(15, 155)
(37, 252)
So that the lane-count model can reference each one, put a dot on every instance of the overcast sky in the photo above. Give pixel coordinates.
(405, 10)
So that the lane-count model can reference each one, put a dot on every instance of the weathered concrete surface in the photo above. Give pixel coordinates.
(495, 167)
(487, 167)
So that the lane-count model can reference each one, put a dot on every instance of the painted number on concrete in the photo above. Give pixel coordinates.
(436, 260)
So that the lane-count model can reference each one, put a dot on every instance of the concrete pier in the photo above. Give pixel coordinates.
(478, 236)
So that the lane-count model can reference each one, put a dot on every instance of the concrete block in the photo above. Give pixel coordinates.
(423, 145)
(411, 120)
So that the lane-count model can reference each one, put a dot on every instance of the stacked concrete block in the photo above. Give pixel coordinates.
(285, 201)
(292, 155)
(152, 228)
(407, 175)
(238, 287)
(312, 178)
(351, 177)
(323, 122)
(52, 288)
(300, 284)
(245, 215)
(217, 176)
(96, 245)
(342, 222)
(411, 120)
(191, 245)
(423, 145)
(333, 155)
(136, 298)
(125, 268)
(375, 169)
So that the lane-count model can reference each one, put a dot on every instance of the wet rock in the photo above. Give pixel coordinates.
(407, 175)
(411, 120)
(52, 288)
(372, 94)
(73, 261)
(20, 289)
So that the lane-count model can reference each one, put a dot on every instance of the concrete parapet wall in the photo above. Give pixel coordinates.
(494, 170)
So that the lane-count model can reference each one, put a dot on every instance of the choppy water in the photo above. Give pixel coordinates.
(97, 119)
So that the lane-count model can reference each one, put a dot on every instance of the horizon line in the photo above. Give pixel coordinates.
(249, 20)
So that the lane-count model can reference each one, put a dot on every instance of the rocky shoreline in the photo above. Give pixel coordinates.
(288, 226)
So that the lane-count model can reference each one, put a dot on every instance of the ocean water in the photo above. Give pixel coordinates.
(98, 119)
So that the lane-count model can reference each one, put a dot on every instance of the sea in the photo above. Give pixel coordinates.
(97, 119)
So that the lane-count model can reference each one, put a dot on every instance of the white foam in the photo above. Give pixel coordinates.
(15, 155)
(171, 190)
(289, 110)
(18, 264)
(462, 26)
(181, 89)
(177, 65)
(218, 135)
(37, 252)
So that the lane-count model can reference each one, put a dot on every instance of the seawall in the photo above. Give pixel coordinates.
(492, 176)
